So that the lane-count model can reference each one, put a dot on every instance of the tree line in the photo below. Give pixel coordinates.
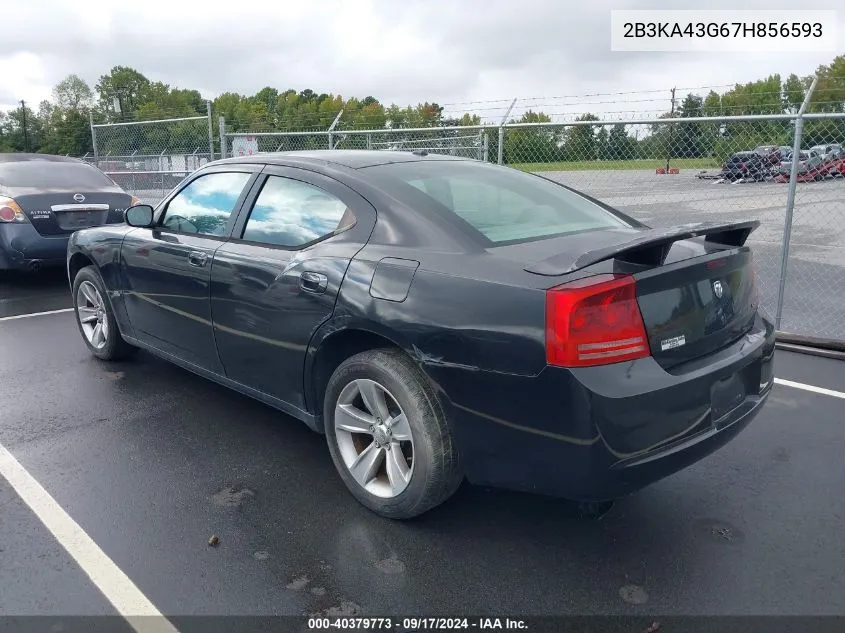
(61, 125)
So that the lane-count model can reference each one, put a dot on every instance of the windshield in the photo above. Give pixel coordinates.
(42, 174)
(504, 205)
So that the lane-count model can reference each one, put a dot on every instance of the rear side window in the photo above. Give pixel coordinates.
(503, 205)
(293, 213)
(45, 174)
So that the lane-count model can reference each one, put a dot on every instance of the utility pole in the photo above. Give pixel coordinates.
(671, 133)
(23, 123)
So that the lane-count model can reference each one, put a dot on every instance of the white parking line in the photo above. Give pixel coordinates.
(116, 586)
(35, 314)
(813, 388)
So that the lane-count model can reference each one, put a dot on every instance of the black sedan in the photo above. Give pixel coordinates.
(440, 319)
(45, 198)
(747, 166)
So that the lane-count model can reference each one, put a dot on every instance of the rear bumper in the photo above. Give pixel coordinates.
(23, 248)
(604, 432)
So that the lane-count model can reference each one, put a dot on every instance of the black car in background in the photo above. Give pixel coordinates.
(746, 166)
(440, 318)
(45, 198)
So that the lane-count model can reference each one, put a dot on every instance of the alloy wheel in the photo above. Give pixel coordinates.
(374, 438)
(92, 315)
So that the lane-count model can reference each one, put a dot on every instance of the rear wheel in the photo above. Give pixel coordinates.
(388, 435)
(95, 317)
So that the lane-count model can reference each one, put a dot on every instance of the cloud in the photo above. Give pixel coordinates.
(403, 52)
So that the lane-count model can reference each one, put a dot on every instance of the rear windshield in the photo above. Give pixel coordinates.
(504, 205)
(45, 174)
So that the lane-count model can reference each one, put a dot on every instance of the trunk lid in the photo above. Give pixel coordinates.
(62, 213)
(697, 306)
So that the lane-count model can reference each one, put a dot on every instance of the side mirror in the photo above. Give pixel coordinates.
(139, 216)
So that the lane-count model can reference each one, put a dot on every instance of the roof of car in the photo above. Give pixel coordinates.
(352, 158)
(19, 157)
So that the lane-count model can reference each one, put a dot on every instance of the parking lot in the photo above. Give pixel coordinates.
(151, 461)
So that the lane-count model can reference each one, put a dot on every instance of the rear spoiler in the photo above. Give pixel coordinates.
(649, 248)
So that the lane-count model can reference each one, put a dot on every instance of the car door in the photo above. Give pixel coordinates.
(276, 281)
(166, 269)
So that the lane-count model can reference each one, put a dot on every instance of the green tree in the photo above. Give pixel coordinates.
(531, 144)
(124, 84)
(73, 93)
(579, 141)
(620, 146)
(687, 140)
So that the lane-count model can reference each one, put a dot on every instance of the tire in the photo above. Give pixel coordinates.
(111, 346)
(433, 472)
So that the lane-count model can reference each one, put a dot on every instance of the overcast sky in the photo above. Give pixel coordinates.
(402, 51)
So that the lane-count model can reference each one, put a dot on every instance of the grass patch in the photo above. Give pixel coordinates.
(647, 163)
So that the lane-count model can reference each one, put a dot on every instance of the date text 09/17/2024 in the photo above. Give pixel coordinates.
(416, 623)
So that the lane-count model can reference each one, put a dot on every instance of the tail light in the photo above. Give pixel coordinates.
(10, 211)
(594, 321)
(742, 166)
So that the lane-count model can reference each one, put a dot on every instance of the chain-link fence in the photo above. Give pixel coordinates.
(463, 142)
(148, 158)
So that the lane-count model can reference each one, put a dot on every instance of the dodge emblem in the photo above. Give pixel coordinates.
(717, 288)
(79, 197)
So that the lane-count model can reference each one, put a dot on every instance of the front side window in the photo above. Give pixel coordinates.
(206, 204)
(503, 205)
(292, 213)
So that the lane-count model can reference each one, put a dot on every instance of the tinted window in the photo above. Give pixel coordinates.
(205, 205)
(292, 213)
(43, 174)
(502, 204)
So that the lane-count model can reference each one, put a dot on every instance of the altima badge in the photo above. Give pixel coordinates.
(717, 288)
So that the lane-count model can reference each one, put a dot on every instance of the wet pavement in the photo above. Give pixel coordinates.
(151, 461)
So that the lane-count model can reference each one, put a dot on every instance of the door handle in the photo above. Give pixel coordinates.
(197, 258)
(313, 282)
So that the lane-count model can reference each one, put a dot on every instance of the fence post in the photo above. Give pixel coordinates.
(790, 201)
(502, 132)
(486, 145)
(93, 138)
(210, 132)
(222, 123)
(331, 128)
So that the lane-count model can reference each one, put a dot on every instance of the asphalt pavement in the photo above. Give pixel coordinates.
(152, 461)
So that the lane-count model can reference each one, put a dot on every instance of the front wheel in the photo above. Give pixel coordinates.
(388, 435)
(95, 317)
